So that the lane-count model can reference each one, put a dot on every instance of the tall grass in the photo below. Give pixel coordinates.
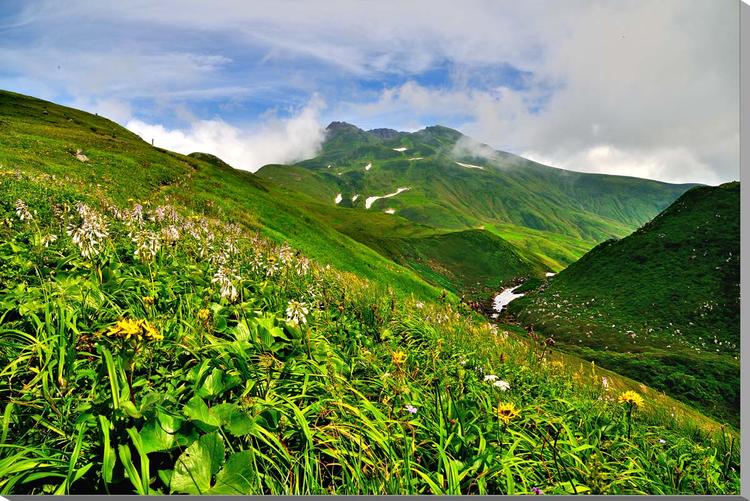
(239, 391)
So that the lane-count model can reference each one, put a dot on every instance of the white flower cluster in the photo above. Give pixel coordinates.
(296, 312)
(225, 278)
(89, 232)
(22, 211)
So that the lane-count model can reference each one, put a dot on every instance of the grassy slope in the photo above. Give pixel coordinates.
(122, 166)
(585, 208)
(252, 404)
(674, 285)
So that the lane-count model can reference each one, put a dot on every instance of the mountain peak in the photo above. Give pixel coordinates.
(342, 126)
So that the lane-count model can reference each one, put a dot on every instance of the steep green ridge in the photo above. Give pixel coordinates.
(661, 305)
(471, 262)
(194, 352)
(491, 188)
(41, 137)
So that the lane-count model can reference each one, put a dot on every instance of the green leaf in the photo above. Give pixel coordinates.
(213, 385)
(109, 458)
(237, 476)
(194, 468)
(234, 419)
(197, 411)
(160, 432)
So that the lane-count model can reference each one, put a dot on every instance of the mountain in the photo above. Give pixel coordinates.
(439, 178)
(41, 137)
(661, 305)
(169, 324)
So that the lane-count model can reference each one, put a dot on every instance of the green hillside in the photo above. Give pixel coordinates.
(661, 305)
(42, 138)
(450, 187)
(171, 325)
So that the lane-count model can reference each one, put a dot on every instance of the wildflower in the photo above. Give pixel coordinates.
(662, 441)
(410, 409)
(605, 383)
(537, 491)
(419, 305)
(631, 398)
(224, 277)
(137, 330)
(147, 245)
(90, 231)
(490, 378)
(506, 412)
(398, 357)
(296, 312)
(149, 300)
(170, 234)
(48, 239)
(22, 211)
(502, 385)
(204, 315)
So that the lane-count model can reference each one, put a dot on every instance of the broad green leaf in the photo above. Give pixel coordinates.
(197, 411)
(195, 467)
(237, 477)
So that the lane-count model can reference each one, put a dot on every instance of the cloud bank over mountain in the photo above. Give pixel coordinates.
(633, 87)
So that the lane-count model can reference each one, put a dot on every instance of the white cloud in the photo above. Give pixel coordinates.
(276, 140)
(656, 82)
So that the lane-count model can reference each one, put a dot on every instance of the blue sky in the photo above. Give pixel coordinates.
(627, 87)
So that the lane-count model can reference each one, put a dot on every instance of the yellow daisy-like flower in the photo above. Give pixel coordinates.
(204, 315)
(631, 398)
(507, 411)
(134, 329)
(398, 357)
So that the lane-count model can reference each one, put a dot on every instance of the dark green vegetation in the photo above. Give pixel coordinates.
(551, 216)
(175, 343)
(661, 305)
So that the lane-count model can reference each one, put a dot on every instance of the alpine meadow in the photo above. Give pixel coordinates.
(240, 256)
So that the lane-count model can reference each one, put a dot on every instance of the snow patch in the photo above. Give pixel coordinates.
(329, 166)
(550, 274)
(416, 158)
(400, 149)
(505, 297)
(390, 211)
(470, 166)
(368, 166)
(339, 198)
(370, 200)
(355, 197)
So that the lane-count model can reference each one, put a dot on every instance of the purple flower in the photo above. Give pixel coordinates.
(411, 409)
(536, 490)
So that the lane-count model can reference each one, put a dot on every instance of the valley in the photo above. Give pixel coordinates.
(171, 324)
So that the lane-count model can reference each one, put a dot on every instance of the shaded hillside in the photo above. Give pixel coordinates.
(661, 305)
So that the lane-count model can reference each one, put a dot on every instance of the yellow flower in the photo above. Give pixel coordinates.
(507, 411)
(631, 398)
(135, 329)
(204, 315)
(398, 357)
(149, 300)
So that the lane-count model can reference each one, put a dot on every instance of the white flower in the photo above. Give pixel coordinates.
(22, 211)
(490, 377)
(420, 305)
(605, 383)
(502, 385)
(224, 277)
(296, 312)
(662, 441)
(147, 245)
(48, 239)
(90, 231)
